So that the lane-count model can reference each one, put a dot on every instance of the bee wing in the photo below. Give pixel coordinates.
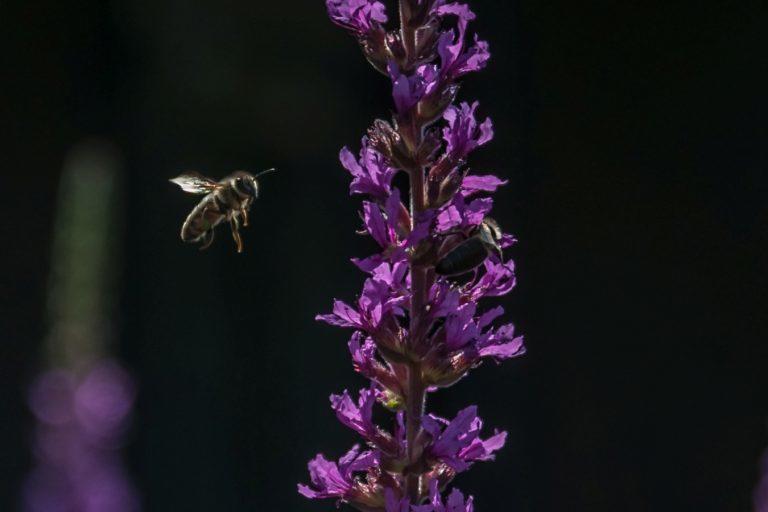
(195, 183)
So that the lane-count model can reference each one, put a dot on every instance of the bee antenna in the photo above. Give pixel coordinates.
(268, 171)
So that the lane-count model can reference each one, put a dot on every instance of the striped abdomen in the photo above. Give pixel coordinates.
(203, 218)
(462, 259)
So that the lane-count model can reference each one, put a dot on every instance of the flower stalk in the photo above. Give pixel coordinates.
(417, 325)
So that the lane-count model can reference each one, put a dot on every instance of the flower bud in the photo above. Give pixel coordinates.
(428, 149)
(435, 179)
(427, 37)
(387, 140)
(444, 370)
(395, 47)
(376, 50)
(432, 107)
(366, 495)
(449, 186)
(442, 473)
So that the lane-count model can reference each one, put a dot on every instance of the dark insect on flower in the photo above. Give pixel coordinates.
(472, 252)
(227, 200)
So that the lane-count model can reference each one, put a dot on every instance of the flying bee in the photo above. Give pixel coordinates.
(470, 253)
(227, 200)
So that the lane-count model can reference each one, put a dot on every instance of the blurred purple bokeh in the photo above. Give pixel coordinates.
(761, 492)
(81, 422)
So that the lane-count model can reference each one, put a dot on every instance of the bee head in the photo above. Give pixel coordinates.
(246, 185)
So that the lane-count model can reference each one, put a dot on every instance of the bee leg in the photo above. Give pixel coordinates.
(234, 224)
(244, 213)
(207, 240)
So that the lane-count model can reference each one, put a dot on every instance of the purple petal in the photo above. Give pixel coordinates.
(362, 462)
(456, 502)
(445, 300)
(431, 426)
(477, 210)
(422, 228)
(486, 132)
(393, 504)
(449, 218)
(455, 61)
(376, 223)
(358, 16)
(460, 327)
(343, 316)
(513, 348)
(407, 90)
(463, 135)
(358, 417)
(507, 241)
(370, 264)
(450, 441)
(349, 162)
(483, 450)
(474, 184)
(498, 279)
(489, 316)
(371, 173)
(463, 11)
(327, 480)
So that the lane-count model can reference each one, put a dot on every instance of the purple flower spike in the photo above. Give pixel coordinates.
(418, 324)
(358, 16)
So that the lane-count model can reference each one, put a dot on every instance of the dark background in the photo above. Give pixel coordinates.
(634, 138)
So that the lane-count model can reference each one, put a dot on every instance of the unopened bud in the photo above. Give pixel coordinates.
(376, 49)
(432, 107)
(450, 185)
(386, 140)
(444, 371)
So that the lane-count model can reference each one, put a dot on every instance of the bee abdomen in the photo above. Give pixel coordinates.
(464, 258)
(203, 218)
